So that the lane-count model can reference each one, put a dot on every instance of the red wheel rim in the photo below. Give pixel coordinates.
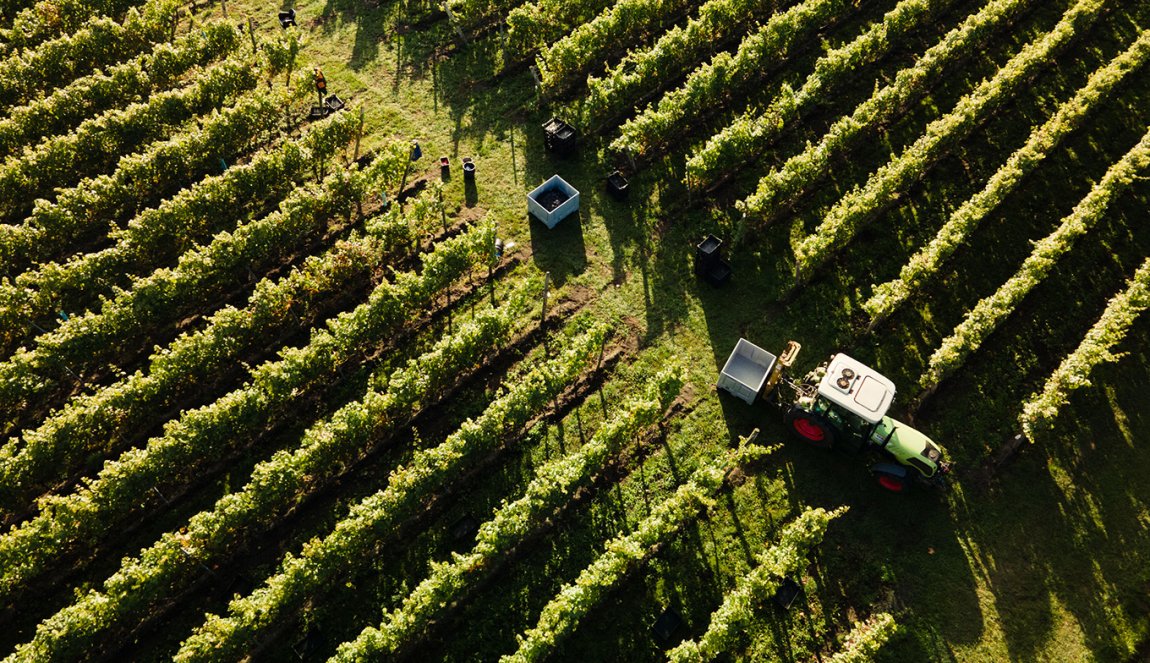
(890, 483)
(810, 430)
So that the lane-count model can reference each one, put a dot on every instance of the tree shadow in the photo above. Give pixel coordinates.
(1089, 560)
(370, 20)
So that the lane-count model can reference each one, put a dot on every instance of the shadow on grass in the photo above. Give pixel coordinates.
(369, 19)
(560, 251)
(1068, 532)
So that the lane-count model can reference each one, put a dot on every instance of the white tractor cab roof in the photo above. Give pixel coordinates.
(857, 388)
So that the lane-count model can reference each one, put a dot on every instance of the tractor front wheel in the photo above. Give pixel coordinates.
(891, 483)
(891, 477)
(810, 427)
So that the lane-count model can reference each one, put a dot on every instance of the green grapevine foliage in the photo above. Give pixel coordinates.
(1043, 140)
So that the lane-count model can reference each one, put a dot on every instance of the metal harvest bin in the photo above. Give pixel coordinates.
(553, 201)
(746, 371)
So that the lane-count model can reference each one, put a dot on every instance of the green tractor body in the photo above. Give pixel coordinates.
(908, 447)
(850, 400)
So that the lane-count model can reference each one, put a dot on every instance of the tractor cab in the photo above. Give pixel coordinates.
(850, 400)
(844, 402)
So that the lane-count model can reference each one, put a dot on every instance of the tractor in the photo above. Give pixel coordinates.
(843, 403)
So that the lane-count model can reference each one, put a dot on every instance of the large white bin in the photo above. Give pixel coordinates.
(746, 370)
(554, 186)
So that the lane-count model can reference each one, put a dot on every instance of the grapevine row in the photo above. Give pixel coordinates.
(992, 310)
(470, 15)
(866, 639)
(752, 132)
(160, 234)
(783, 186)
(308, 575)
(641, 72)
(84, 344)
(213, 536)
(551, 489)
(713, 84)
(564, 62)
(200, 276)
(1040, 410)
(199, 437)
(140, 180)
(1042, 141)
(840, 225)
(114, 414)
(100, 141)
(49, 18)
(532, 25)
(102, 42)
(194, 361)
(623, 555)
(10, 9)
(737, 612)
(68, 106)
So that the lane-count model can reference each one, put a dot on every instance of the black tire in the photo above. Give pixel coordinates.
(810, 427)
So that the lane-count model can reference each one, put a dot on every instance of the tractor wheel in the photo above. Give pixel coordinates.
(810, 427)
(891, 477)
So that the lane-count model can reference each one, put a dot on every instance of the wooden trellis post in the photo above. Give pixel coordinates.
(358, 134)
(546, 292)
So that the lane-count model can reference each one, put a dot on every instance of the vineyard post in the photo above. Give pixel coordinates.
(490, 271)
(161, 495)
(454, 24)
(538, 86)
(359, 134)
(291, 65)
(495, 255)
(359, 196)
(443, 217)
(546, 291)
(875, 321)
(224, 7)
(252, 34)
(403, 181)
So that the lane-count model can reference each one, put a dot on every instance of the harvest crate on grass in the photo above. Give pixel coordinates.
(746, 371)
(553, 201)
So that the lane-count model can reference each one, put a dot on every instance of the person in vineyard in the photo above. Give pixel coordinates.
(320, 84)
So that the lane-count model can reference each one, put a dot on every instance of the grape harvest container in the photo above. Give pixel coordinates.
(746, 371)
(553, 201)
